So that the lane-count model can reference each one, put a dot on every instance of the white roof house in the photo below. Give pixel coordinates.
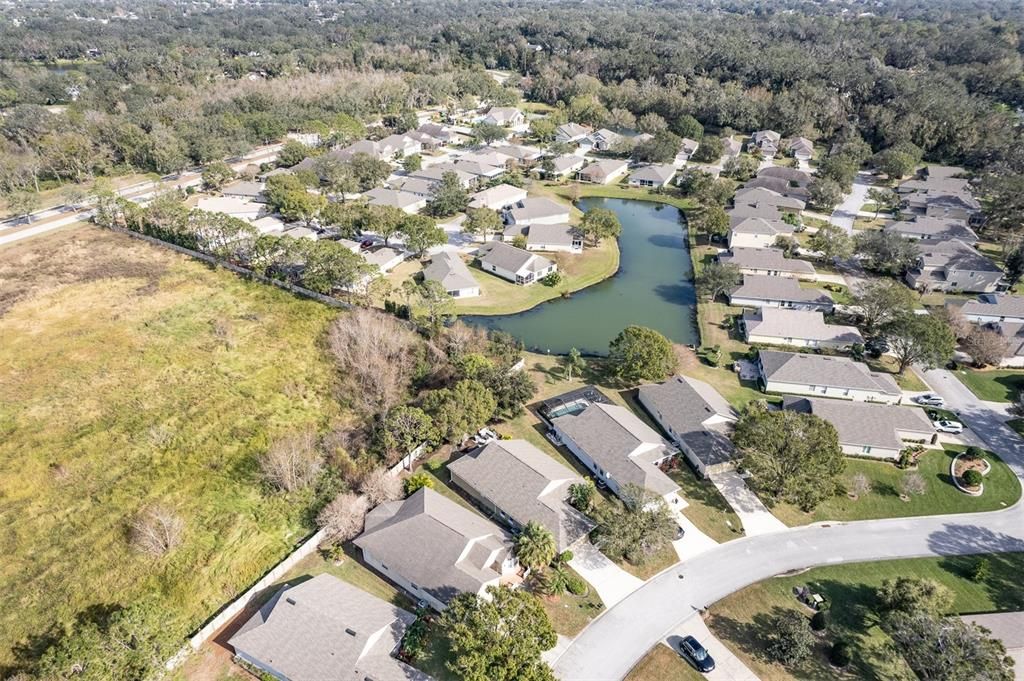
(385, 258)
(515, 264)
(539, 210)
(758, 232)
(505, 116)
(449, 269)
(236, 207)
(268, 224)
(652, 175)
(498, 197)
(566, 165)
(244, 188)
(560, 237)
(796, 328)
(571, 132)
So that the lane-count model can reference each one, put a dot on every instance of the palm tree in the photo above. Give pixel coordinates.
(535, 547)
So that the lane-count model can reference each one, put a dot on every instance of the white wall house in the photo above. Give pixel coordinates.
(825, 376)
(515, 264)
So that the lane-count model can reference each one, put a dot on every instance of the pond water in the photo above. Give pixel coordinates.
(653, 288)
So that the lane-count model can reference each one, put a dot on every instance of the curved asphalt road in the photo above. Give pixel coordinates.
(612, 644)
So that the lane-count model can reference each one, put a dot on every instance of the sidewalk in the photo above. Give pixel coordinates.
(756, 518)
(611, 582)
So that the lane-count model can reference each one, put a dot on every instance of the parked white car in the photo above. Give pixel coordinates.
(484, 436)
(954, 427)
(931, 400)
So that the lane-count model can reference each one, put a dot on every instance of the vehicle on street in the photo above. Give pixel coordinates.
(954, 427)
(931, 400)
(691, 649)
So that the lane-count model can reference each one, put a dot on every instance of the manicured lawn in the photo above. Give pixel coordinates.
(569, 613)
(993, 385)
(908, 380)
(574, 191)
(840, 294)
(1002, 489)
(740, 619)
(663, 559)
(662, 663)
(870, 223)
(132, 376)
(1017, 425)
(708, 509)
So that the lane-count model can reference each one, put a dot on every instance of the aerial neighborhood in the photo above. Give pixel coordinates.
(491, 342)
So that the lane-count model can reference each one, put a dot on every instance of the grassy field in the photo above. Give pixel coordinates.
(131, 375)
(1002, 489)
(579, 191)
(993, 385)
(739, 620)
(662, 663)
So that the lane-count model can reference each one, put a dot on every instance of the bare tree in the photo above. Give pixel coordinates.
(860, 485)
(985, 346)
(380, 486)
(155, 530)
(343, 518)
(293, 462)
(913, 484)
(376, 355)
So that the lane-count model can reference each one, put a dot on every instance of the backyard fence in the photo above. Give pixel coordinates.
(406, 463)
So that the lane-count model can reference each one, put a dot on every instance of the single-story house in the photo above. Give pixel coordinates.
(758, 232)
(652, 175)
(801, 148)
(449, 269)
(779, 185)
(731, 148)
(298, 232)
(952, 265)
(1006, 627)
(385, 258)
(539, 210)
(517, 483)
(758, 202)
(437, 171)
(488, 157)
(604, 171)
(603, 139)
(795, 177)
(236, 207)
(497, 197)
(324, 628)
(758, 290)
(268, 224)
(924, 227)
(796, 328)
(505, 116)
(545, 237)
(571, 132)
(566, 164)
(395, 146)
(697, 418)
(767, 141)
(480, 170)
(880, 431)
(406, 201)
(435, 549)
(768, 261)
(686, 150)
(521, 154)
(245, 189)
(415, 185)
(940, 192)
(992, 307)
(442, 133)
(515, 264)
(825, 376)
(618, 448)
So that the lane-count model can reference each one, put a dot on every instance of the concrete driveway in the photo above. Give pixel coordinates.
(728, 667)
(756, 518)
(611, 582)
(846, 212)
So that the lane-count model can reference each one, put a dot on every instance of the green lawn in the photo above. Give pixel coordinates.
(708, 509)
(1002, 489)
(660, 561)
(575, 191)
(908, 380)
(662, 663)
(1017, 425)
(739, 620)
(993, 385)
(569, 613)
(840, 294)
(133, 376)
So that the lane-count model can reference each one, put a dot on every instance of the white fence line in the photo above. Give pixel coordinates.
(406, 463)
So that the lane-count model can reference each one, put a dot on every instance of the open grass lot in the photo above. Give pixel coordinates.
(131, 375)
(1002, 489)
(739, 620)
(662, 663)
(993, 385)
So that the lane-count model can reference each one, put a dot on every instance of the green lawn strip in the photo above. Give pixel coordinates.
(1017, 425)
(568, 613)
(739, 620)
(663, 559)
(908, 380)
(1002, 489)
(993, 385)
(661, 663)
(707, 509)
(840, 293)
(572, 191)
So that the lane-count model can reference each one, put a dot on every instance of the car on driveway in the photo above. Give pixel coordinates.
(931, 400)
(954, 427)
(691, 649)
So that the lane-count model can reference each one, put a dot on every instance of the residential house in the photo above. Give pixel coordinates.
(505, 116)
(538, 210)
(268, 224)
(795, 177)
(952, 265)
(603, 139)
(442, 133)
(765, 141)
(406, 201)
(686, 150)
(481, 171)
(991, 307)
(236, 207)
(564, 165)
(1013, 337)
(618, 448)
(763, 291)
(563, 238)
(568, 133)
(796, 328)
(516, 483)
(605, 171)
(758, 202)
(697, 419)
(524, 156)
(437, 171)
(324, 628)
(731, 148)
(924, 227)
(245, 189)
(825, 376)
(515, 264)
(652, 175)
(498, 197)
(940, 192)
(449, 269)
(768, 261)
(385, 258)
(487, 156)
(880, 431)
(398, 146)
(297, 232)
(801, 148)
(779, 185)
(758, 232)
(415, 185)
(435, 549)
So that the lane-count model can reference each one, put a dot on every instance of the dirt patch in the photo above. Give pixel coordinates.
(44, 264)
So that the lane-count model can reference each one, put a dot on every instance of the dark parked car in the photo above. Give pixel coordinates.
(875, 347)
(691, 649)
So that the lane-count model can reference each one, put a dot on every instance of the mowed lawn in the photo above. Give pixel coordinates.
(661, 663)
(993, 385)
(131, 375)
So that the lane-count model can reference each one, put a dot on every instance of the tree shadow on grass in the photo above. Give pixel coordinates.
(1003, 581)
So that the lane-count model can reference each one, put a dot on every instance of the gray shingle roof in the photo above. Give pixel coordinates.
(508, 257)
(604, 167)
(789, 174)
(322, 629)
(764, 287)
(954, 254)
(685, 405)
(992, 305)
(933, 228)
(654, 172)
(823, 370)
(759, 196)
(424, 539)
(538, 207)
(766, 226)
(780, 323)
(862, 424)
(766, 259)
(621, 444)
(449, 269)
(526, 484)
(554, 235)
